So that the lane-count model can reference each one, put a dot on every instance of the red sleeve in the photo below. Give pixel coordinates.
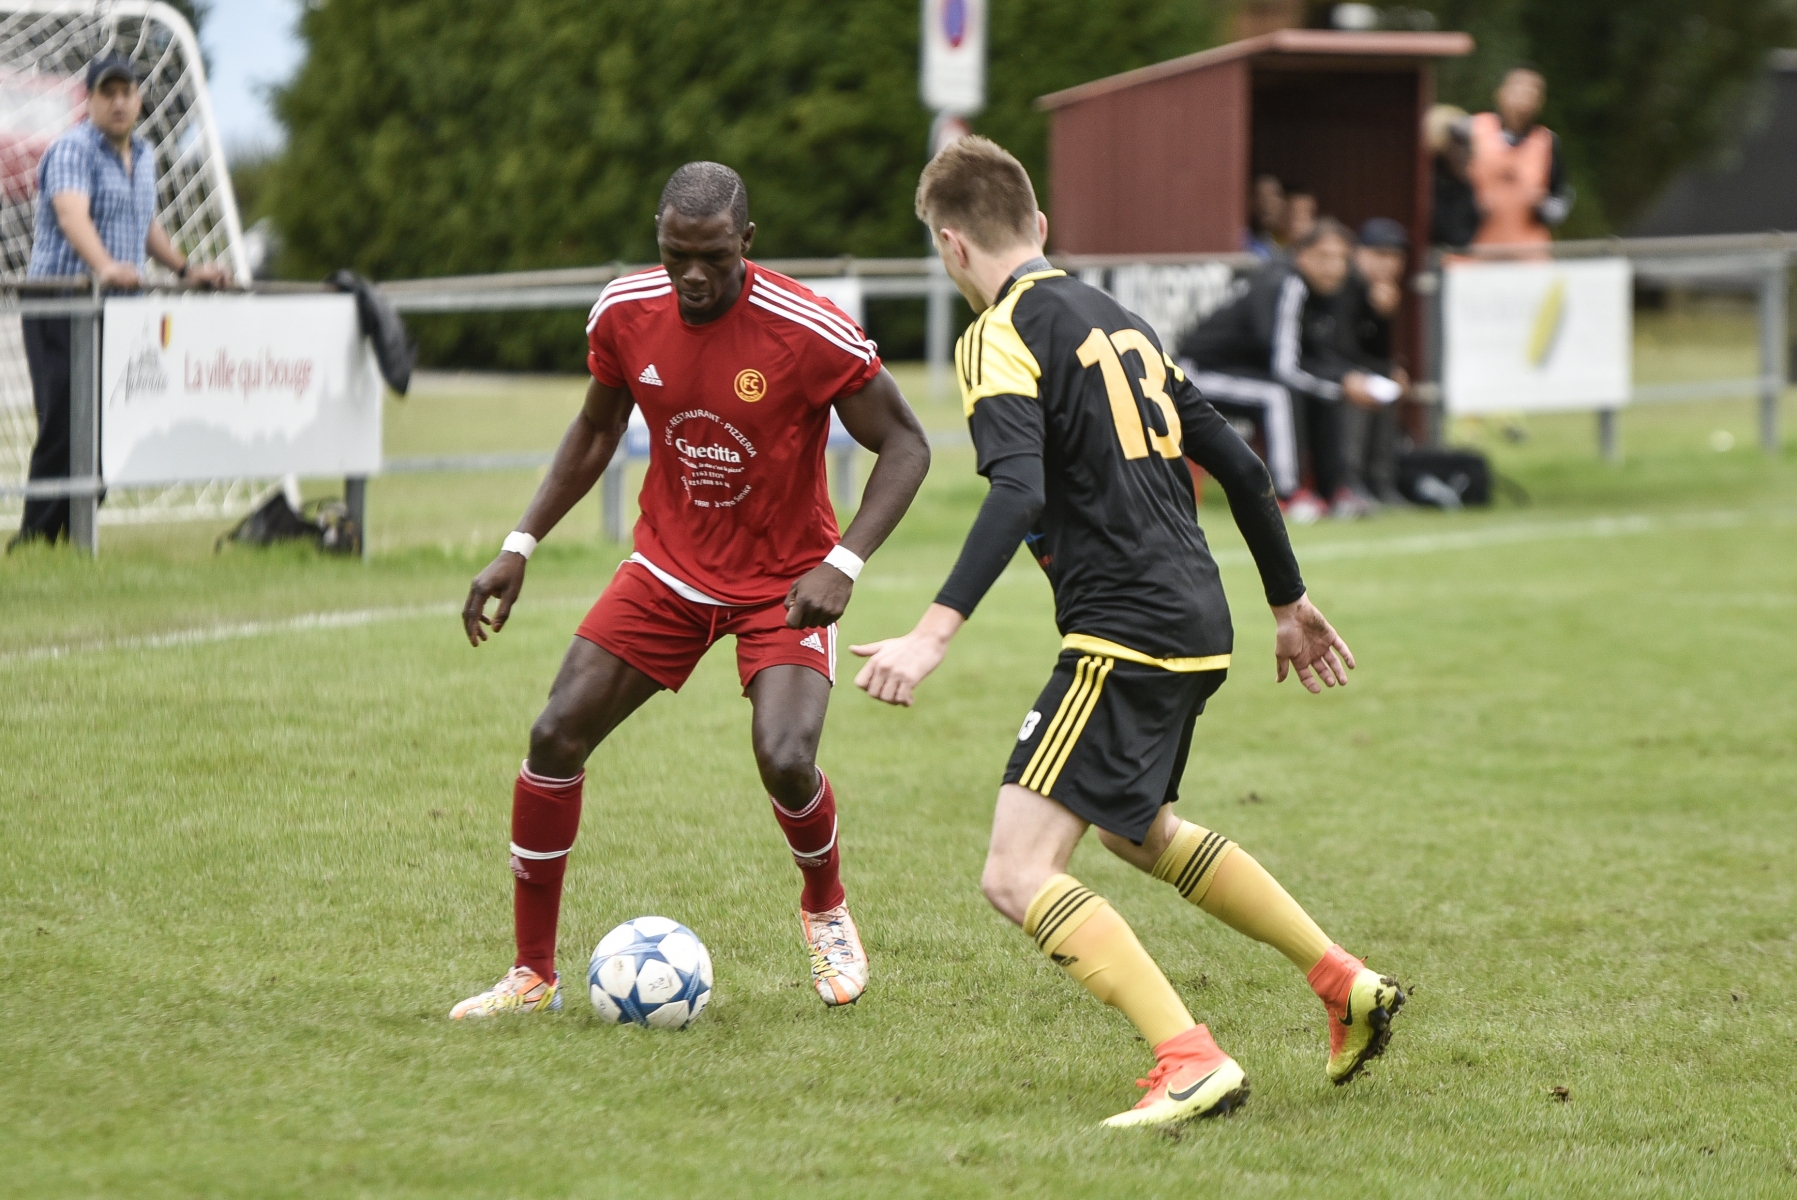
(602, 352)
(836, 358)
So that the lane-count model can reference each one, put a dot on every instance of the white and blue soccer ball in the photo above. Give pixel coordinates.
(650, 971)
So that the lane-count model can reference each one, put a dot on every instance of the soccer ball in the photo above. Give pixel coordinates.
(651, 971)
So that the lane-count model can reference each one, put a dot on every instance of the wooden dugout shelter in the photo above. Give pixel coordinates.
(1159, 160)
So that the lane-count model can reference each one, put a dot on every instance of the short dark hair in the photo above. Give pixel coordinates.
(1326, 227)
(980, 189)
(705, 189)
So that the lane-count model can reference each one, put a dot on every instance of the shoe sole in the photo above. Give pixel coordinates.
(1225, 1105)
(830, 1001)
(1380, 1020)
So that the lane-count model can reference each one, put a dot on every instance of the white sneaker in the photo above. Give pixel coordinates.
(838, 960)
(521, 991)
(1303, 507)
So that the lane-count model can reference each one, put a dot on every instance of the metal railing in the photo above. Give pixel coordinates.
(1759, 262)
(1751, 262)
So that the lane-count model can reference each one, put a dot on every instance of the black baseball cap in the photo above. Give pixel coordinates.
(112, 66)
(1383, 233)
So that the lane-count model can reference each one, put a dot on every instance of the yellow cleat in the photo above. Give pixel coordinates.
(521, 991)
(1192, 1079)
(1360, 1029)
(838, 960)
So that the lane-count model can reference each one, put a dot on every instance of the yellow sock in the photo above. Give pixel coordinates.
(1083, 934)
(1224, 880)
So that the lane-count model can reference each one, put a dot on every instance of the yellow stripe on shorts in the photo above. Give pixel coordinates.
(1069, 701)
(1069, 722)
(1183, 666)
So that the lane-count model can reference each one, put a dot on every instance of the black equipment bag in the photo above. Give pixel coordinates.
(328, 526)
(1445, 478)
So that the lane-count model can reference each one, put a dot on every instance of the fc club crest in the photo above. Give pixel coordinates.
(751, 385)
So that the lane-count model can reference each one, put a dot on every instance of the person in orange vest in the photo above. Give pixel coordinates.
(1516, 171)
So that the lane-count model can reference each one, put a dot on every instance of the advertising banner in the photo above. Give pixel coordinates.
(1537, 336)
(954, 56)
(200, 387)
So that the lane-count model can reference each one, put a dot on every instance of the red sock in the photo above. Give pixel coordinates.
(545, 818)
(811, 835)
(1333, 975)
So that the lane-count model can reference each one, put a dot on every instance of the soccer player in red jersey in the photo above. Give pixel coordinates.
(736, 370)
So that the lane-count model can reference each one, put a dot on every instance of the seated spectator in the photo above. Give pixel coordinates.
(1455, 219)
(1275, 355)
(1266, 217)
(1369, 434)
(1300, 214)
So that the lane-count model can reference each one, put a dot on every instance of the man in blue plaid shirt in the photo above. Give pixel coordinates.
(96, 216)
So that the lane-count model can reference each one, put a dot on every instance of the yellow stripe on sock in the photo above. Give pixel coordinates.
(1051, 738)
(1078, 725)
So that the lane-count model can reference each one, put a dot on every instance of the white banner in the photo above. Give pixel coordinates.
(954, 56)
(202, 387)
(844, 291)
(1537, 336)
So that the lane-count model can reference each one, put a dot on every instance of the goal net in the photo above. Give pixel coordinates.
(45, 46)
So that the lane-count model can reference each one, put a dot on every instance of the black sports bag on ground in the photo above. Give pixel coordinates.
(1445, 478)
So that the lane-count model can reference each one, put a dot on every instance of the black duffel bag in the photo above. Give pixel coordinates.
(1445, 478)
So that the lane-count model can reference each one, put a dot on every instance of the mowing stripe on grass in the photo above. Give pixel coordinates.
(1411, 544)
(1500, 535)
(305, 622)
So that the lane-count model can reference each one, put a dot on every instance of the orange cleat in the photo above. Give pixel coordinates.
(1192, 1079)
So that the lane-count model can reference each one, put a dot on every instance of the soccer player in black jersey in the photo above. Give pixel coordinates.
(1081, 423)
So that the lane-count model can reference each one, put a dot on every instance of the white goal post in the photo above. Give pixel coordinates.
(45, 46)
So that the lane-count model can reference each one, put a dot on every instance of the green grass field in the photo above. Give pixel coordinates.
(253, 829)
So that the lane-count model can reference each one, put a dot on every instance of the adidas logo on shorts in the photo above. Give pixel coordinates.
(812, 641)
(649, 376)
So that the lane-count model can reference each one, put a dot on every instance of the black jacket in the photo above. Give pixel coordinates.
(1276, 327)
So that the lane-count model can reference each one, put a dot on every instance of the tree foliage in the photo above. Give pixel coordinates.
(434, 137)
(438, 137)
(1636, 88)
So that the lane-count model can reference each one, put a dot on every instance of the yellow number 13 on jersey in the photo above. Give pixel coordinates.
(1105, 352)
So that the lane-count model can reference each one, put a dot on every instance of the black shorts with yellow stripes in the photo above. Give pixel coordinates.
(1108, 738)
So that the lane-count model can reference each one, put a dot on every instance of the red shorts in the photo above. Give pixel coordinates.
(641, 620)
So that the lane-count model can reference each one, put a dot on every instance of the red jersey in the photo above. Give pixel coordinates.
(736, 505)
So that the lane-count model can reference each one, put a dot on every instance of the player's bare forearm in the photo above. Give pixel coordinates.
(580, 460)
(879, 419)
(585, 451)
(897, 665)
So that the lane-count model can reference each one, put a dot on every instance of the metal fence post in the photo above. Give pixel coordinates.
(612, 498)
(355, 502)
(938, 336)
(1774, 346)
(1429, 285)
(84, 426)
(1609, 445)
(845, 476)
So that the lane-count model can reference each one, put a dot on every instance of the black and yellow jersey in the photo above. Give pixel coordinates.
(1082, 421)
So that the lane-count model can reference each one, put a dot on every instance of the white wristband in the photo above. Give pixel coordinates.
(520, 544)
(846, 561)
